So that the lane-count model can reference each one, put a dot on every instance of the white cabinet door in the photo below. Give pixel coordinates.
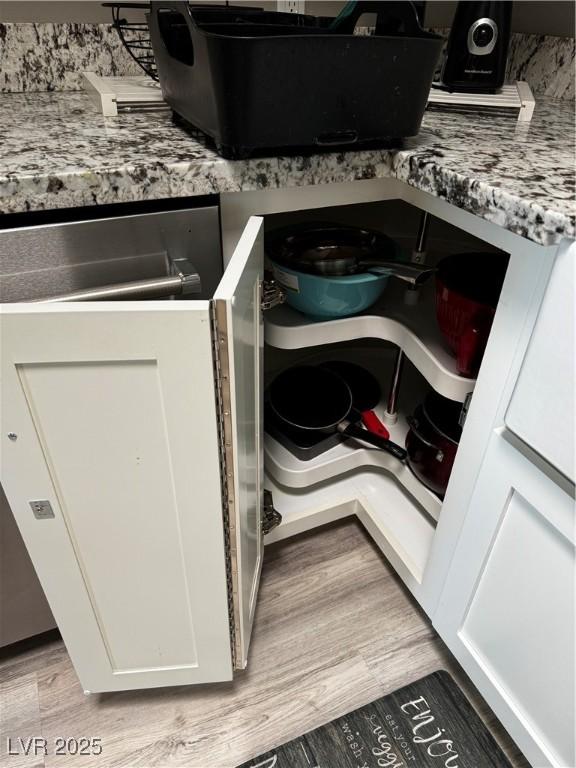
(541, 410)
(507, 609)
(240, 336)
(111, 463)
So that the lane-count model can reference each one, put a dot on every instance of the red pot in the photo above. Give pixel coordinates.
(468, 287)
(432, 441)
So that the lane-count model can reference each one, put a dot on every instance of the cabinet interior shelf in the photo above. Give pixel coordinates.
(398, 527)
(398, 511)
(346, 457)
(412, 328)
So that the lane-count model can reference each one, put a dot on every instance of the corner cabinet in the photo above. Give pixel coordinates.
(134, 459)
(131, 448)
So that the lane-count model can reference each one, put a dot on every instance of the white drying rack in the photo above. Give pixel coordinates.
(112, 95)
(516, 98)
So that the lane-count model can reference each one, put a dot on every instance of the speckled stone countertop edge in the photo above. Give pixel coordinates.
(157, 181)
(526, 218)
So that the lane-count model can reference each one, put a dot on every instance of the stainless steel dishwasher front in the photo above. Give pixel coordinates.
(46, 260)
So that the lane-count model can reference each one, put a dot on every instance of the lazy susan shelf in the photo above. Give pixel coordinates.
(398, 528)
(350, 455)
(413, 328)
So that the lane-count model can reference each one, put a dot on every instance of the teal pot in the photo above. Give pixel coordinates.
(330, 297)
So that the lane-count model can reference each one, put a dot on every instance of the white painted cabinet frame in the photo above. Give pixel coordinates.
(175, 487)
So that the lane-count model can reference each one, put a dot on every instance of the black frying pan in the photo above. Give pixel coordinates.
(365, 392)
(313, 397)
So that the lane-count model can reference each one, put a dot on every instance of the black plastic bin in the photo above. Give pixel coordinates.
(262, 83)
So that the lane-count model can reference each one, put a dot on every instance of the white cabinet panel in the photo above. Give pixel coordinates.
(507, 610)
(541, 410)
(114, 410)
(24, 610)
(115, 485)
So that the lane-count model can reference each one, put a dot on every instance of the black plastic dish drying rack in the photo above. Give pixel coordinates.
(262, 82)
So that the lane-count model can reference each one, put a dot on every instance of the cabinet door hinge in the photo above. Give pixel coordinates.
(271, 294)
(271, 518)
(223, 405)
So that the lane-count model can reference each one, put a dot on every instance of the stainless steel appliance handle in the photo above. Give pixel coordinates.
(180, 284)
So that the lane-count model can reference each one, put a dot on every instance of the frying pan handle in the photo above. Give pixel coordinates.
(353, 430)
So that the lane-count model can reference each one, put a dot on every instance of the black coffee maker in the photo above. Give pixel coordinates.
(478, 46)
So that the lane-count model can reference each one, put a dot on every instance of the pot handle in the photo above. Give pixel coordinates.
(353, 430)
(415, 274)
(415, 428)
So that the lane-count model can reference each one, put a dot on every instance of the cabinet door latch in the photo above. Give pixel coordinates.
(271, 295)
(464, 411)
(271, 518)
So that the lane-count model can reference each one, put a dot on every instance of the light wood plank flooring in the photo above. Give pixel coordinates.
(335, 629)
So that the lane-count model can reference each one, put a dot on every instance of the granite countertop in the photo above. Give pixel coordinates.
(56, 151)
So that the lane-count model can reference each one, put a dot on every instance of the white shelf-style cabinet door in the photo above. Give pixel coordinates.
(507, 609)
(111, 461)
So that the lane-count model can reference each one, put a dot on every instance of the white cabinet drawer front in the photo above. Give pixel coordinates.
(520, 623)
(541, 410)
(114, 409)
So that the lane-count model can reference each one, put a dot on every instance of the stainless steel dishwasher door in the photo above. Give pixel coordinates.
(54, 259)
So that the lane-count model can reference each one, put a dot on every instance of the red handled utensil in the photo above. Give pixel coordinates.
(374, 425)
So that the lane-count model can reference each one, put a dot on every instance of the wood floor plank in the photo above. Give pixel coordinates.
(32, 655)
(334, 630)
(231, 734)
(19, 723)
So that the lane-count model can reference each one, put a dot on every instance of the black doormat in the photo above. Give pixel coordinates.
(427, 724)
